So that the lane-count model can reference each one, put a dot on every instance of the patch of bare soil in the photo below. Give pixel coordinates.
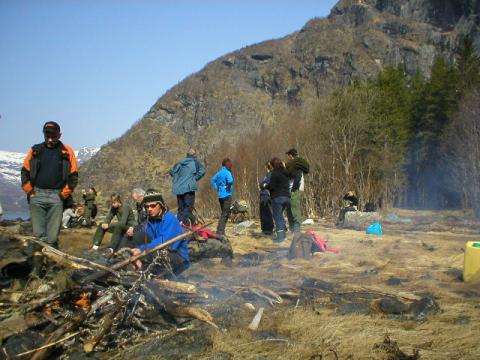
(395, 296)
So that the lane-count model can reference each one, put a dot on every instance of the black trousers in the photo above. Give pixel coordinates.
(186, 203)
(225, 204)
(266, 218)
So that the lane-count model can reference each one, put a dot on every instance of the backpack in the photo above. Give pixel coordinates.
(301, 247)
(374, 229)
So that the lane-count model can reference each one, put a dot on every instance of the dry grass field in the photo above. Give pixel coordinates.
(334, 306)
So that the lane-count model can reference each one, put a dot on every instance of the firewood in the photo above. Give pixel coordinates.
(18, 323)
(175, 286)
(178, 310)
(99, 303)
(51, 344)
(104, 328)
(256, 319)
(134, 258)
(74, 261)
(63, 261)
(69, 326)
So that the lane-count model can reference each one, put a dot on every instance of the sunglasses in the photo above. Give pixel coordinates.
(151, 206)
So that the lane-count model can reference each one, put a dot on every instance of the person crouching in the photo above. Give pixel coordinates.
(125, 217)
(160, 227)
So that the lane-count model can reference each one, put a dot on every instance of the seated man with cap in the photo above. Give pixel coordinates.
(160, 227)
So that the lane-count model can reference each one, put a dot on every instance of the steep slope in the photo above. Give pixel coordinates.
(249, 88)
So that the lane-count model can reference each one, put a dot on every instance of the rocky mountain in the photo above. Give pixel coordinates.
(11, 194)
(242, 91)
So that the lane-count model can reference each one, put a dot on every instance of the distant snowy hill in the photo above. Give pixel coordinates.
(11, 194)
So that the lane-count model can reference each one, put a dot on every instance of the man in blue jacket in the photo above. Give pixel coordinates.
(185, 175)
(160, 227)
(222, 182)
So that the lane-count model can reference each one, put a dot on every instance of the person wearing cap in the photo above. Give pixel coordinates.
(160, 227)
(296, 167)
(125, 219)
(185, 175)
(49, 175)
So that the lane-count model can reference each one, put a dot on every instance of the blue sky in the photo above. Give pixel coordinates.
(97, 66)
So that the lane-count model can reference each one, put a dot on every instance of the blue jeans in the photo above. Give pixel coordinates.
(46, 210)
(279, 204)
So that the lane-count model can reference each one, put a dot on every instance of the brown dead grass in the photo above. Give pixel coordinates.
(313, 330)
(316, 330)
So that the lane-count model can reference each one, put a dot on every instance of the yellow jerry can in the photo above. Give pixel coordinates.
(471, 265)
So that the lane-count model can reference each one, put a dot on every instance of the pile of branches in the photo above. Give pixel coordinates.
(101, 307)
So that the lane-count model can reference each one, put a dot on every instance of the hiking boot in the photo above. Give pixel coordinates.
(222, 238)
(279, 237)
(93, 248)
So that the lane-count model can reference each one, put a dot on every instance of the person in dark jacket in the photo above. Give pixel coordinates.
(160, 227)
(351, 201)
(280, 196)
(125, 219)
(186, 173)
(296, 167)
(266, 218)
(49, 175)
(222, 182)
(136, 232)
(90, 205)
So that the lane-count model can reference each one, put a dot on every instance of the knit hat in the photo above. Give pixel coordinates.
(51, 128)
(153, 196)
(292, 152)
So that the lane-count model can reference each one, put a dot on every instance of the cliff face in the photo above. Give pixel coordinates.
(246, 89)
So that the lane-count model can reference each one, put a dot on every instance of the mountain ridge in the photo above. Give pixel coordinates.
(247, 89)
(11, 194)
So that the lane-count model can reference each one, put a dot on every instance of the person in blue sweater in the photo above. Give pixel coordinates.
(160, 227)
(222, 182)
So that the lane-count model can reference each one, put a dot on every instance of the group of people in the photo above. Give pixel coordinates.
(50, 175)
(281, 191)
(78, 215)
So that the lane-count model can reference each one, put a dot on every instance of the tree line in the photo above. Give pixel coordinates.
(397, 140)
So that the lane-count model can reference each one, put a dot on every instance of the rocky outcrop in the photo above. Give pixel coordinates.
(242, 91)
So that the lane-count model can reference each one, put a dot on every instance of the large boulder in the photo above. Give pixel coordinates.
(360, 220)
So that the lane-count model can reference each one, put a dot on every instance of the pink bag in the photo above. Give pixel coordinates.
(319, 244)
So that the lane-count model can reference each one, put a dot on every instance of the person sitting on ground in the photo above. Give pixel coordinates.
(280, 195)
(125, 217)
(69, 213)
(90, 206)
(351, 205)
(266, 219)
(137, 230)
(162, 226)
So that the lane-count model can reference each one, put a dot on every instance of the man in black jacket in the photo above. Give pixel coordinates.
(49, 175)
